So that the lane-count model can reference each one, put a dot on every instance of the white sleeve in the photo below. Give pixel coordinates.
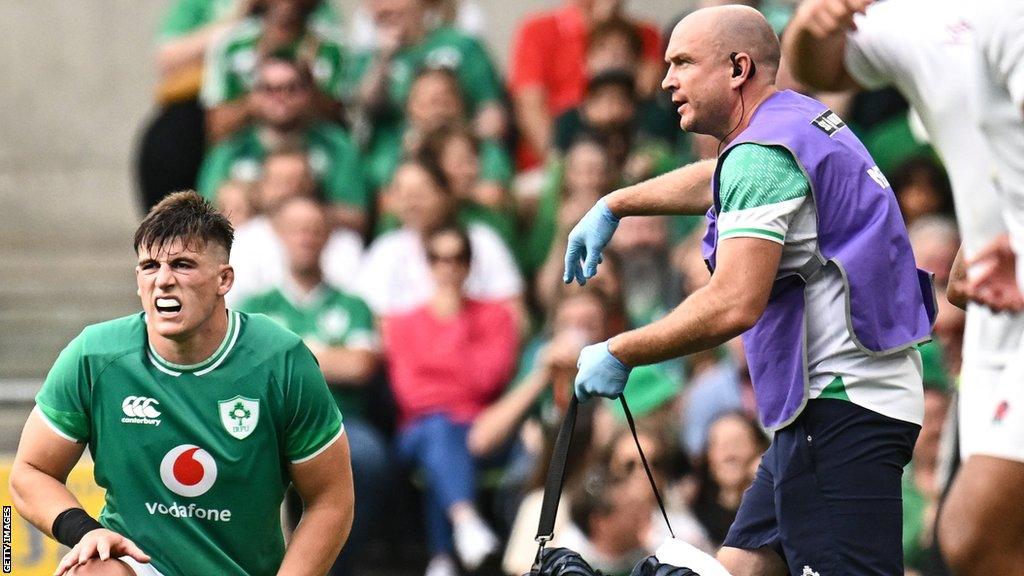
(873, 50)
(493, 274)
(768, 222)
(1002, 44)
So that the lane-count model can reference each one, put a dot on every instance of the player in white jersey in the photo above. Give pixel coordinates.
(925, 49)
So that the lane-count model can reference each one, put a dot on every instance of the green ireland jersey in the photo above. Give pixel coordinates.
(325, 316)
(333, 158)
(194, 459)
(231, 63)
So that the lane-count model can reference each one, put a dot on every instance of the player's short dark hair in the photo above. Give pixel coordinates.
(184, 216)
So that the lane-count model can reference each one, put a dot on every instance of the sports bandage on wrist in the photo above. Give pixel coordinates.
(71, 525)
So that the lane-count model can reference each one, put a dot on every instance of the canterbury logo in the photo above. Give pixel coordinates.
(140, 407)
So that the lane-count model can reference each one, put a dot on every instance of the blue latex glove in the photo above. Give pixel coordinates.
(600, 373)
(586, 241)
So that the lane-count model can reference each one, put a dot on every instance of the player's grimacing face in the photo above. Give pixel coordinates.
(181, 286)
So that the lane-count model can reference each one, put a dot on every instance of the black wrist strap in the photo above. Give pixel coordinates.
(556, 475)
(71, 525)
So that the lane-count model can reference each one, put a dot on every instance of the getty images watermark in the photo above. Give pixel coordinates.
(7, 539)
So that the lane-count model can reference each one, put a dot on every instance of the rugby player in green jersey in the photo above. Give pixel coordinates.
(197, 418)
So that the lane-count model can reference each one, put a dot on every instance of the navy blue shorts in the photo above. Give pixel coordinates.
(827, 495)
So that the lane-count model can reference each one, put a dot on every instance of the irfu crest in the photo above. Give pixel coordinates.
(239, 416)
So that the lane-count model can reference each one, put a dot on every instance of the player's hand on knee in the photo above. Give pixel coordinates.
(100, 543)
(586, 241)
(825, 18)
(600, 373)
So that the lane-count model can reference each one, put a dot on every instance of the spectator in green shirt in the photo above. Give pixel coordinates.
(191, 27)
(283, 28)
(464, 161)
(436, 100)
(406, 44)
(280, 103)
(338, 328)
(174, 141)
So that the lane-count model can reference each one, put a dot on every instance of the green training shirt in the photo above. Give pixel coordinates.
(194, 459)
(325, 316)
(333, 158)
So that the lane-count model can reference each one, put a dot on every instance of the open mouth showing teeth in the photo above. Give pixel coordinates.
(168, 305)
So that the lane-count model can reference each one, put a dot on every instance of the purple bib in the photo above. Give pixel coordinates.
(890, 303)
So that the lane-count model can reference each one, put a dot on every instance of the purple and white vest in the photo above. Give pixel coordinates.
(890, 304)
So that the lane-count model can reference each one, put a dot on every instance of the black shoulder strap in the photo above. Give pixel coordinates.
(647, 468)
(556, 475)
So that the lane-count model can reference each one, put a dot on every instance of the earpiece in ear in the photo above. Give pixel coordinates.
(736, 70)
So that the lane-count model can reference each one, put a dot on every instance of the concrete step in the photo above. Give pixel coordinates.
(46, 300)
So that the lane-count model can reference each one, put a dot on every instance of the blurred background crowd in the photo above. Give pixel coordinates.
(402, 203)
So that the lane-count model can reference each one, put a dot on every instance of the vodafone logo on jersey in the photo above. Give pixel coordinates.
(188, 470)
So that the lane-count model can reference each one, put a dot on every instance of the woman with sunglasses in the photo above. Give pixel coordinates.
(448, 360)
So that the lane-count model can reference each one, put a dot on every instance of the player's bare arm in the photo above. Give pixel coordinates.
(729, 305)
(815, 42)
(325, 485)
(38, 489)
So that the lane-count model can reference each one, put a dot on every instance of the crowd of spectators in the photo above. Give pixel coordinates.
(403, 205)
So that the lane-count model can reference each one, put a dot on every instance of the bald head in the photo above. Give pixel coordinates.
(736, 28)
(712, 88)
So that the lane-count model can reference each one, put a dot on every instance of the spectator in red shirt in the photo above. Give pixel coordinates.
(548, 73)
(448, 360)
